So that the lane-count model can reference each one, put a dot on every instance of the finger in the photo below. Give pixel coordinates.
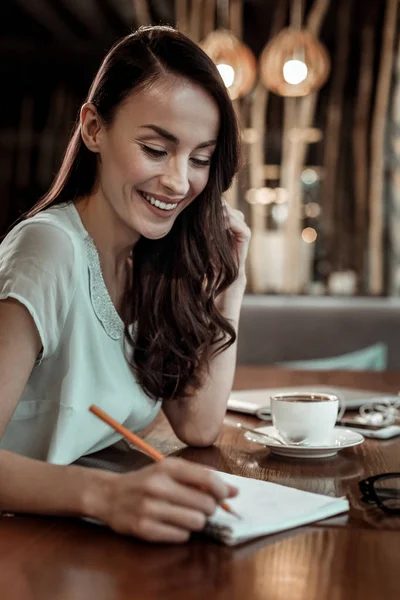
(154, 531)
(181, 494)
(187, 496)
(197, 476)
(232, 211)
(177, 516)
(233, 491)
(234, 218)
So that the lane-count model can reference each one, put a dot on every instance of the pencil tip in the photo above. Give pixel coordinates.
(230, 511)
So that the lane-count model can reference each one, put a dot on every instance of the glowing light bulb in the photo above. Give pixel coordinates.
(295, 71)
(227, 73)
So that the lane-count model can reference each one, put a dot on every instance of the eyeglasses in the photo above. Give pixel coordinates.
(383, 490)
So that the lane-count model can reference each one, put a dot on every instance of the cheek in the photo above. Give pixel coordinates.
(200, 181)
(130, 166)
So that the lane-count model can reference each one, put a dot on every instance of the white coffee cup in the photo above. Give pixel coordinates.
(305, 417)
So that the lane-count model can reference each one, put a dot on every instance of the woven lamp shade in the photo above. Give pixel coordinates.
(224, 48)
(290, 43)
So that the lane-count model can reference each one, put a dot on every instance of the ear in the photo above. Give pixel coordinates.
(91, 127)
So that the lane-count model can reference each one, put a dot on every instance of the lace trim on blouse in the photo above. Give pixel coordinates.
(101, 301)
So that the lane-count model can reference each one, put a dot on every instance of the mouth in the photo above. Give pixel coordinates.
(163, 207)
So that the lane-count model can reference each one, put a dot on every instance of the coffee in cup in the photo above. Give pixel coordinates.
(305, 417)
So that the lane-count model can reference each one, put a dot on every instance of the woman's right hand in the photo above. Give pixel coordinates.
(163, 502)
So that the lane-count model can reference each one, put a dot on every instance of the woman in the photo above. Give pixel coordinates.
(122, 286)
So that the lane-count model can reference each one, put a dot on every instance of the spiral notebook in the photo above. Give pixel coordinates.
(267, 508)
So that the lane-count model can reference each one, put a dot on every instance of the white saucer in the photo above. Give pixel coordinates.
(340, 438)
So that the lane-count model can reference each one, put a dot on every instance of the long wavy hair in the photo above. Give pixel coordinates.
(175, 280)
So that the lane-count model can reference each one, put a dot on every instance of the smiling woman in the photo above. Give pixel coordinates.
(144, 161)
(124, 285)
(158, 77)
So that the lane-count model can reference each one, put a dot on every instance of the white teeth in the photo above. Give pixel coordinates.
(162, 205)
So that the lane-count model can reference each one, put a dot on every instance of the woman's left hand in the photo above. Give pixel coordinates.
(241, 233)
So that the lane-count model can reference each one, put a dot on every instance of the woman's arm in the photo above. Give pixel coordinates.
(197, 420)
(28, 485)
(161, 502)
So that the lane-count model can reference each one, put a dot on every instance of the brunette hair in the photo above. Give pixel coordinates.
(175, 279)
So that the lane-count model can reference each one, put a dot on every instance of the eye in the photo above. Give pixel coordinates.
(201, 163)
(153, 152)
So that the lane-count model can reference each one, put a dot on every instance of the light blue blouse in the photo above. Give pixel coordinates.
(50, 264)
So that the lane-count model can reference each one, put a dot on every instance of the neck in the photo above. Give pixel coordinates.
(113, 240)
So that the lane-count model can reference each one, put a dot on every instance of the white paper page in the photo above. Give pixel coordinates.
(267, 508)
(249, 401)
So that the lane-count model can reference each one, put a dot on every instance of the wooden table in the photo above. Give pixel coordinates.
(348, 557)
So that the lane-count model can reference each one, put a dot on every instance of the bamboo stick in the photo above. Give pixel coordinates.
(236, 18)
(334, 226)
(195, 20)
(208, 17)
(181, 15)
(316, 16)
(297, 154)
(235, 25)
(142, 12)
(360, 147)
(394, 221)
(290, 115)
(308, 103)
(375, 237)
(290, 104)
(258, 123)
(259, 126)
(223, 14)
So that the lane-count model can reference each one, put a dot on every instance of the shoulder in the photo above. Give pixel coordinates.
(45, 241)
(40, 266)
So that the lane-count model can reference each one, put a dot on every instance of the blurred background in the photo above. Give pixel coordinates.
(316, 86)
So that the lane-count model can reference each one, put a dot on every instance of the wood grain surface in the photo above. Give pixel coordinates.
(348, 557)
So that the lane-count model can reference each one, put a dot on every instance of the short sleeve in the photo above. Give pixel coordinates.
(38, 268)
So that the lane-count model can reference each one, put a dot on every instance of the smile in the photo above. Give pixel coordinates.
(162, 205)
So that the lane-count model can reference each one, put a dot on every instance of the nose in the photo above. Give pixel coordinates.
(175, 176)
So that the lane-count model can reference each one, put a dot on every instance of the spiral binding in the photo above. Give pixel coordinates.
(222, 533)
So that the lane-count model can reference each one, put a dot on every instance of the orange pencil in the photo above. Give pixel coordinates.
(131, 437)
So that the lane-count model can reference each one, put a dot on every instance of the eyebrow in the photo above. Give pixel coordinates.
(172, 138)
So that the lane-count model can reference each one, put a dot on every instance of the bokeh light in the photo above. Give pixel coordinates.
(309, 235)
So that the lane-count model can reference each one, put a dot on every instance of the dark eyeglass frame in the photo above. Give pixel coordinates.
(371, 496)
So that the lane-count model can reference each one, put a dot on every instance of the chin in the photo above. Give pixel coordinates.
(153, 235)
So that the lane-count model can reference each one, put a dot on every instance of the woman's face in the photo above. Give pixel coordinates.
(155, 157)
